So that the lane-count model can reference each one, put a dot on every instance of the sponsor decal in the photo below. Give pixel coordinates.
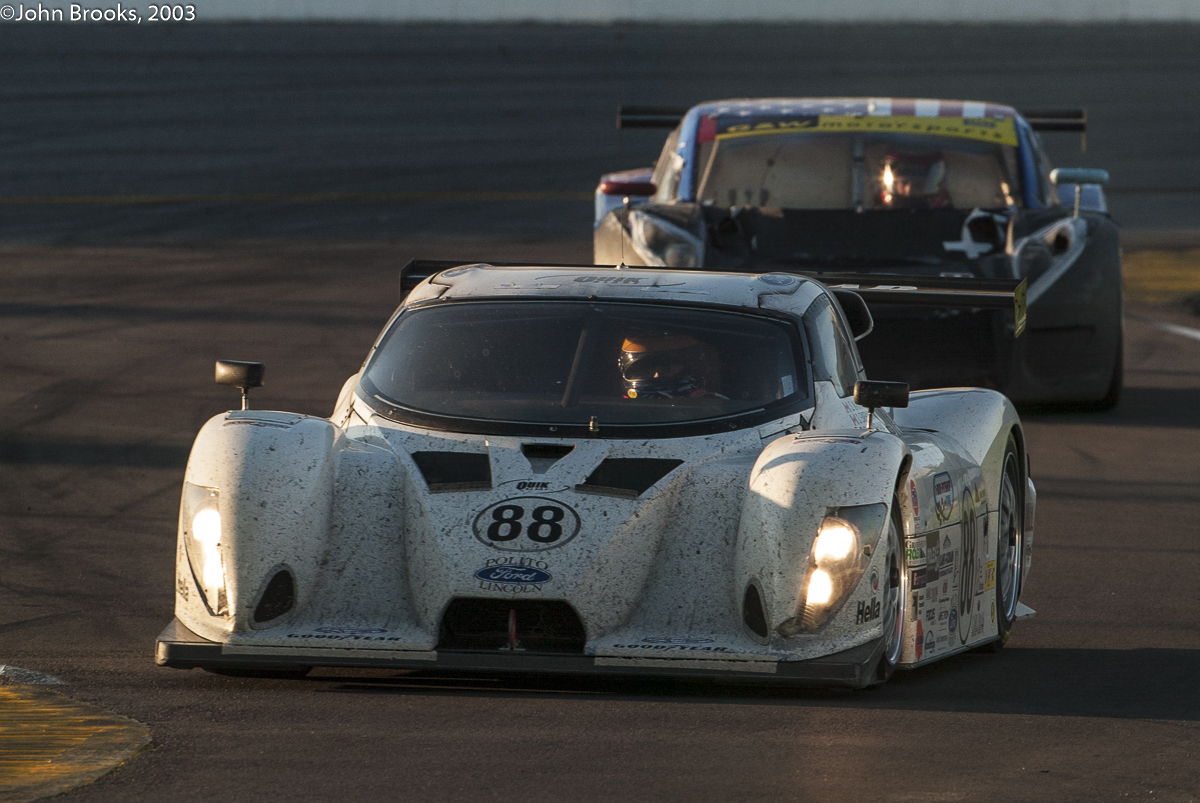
(245, 423)
(943, 497)
(777, 279)
(917, 579)
(530, 485)
(916, 502)
(608, 280)
(953, 618)
(521, 576)
(945, 595)
(919, 643)
(526, 524)
(868, 611)
(930, 643)
(989, 575)
(676, 640)
(943, 615)
(993, 611)
(914, 552)
(350, 631)
(829, 440)
(933, 552)
(931, 614)
(997, 131)
(672, 647)
(874, 579)
(946, 563)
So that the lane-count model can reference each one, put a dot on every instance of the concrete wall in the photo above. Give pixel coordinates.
(702, 10)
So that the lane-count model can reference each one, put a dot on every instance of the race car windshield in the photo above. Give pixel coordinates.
(565, 363)
(798, 170)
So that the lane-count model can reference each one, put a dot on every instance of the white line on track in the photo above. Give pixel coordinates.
(1173, 328)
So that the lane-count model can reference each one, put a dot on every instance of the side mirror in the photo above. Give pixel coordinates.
(1078, 176)
(857, 314)
(243, 375)
(879, 394)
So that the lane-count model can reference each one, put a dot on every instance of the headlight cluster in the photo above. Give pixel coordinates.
(663, 244)
(840, 554)
(200, 520)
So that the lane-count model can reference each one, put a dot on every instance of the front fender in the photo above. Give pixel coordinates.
(794, 484)
(274, 474)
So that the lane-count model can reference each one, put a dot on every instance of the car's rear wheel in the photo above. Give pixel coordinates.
(1010, 546)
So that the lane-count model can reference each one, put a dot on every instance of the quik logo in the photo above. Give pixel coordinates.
(533, 486)
(868, 611)
(608, 280)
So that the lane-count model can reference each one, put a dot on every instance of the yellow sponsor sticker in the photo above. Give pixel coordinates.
(982, 129)
(989, 575)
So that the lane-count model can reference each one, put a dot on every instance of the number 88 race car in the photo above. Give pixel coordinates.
(610, 471)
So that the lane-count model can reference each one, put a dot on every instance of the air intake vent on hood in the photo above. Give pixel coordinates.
(543, 455)
(277, 599)
(455, 471)
(627, 476)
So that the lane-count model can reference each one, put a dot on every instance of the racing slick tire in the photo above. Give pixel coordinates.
(1009, 547)
(895, 608)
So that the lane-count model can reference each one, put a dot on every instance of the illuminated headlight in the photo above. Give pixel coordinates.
(663, 244)
(202, 533)
(840, 554)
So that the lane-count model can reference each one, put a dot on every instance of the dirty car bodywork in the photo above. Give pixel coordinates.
(507, 485)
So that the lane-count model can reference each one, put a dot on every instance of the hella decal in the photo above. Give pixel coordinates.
(676, 640)
(868, 611)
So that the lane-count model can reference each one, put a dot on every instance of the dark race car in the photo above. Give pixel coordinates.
(895, 189)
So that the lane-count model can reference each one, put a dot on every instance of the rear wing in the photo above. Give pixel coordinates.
(933, 291)
(913, 291)
(669, 117)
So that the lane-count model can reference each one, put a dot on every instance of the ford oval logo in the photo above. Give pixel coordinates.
(513, 574)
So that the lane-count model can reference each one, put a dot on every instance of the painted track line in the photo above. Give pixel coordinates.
(1173, 328)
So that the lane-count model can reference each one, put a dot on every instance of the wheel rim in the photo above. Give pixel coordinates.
(895, 599)
(1008, 557)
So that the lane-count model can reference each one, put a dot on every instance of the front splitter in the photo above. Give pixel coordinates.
(179, 647)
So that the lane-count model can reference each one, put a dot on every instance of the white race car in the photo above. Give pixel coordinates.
(611, 471)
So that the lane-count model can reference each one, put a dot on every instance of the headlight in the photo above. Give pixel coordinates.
(663, 244)
(840, 554)
(201, 530)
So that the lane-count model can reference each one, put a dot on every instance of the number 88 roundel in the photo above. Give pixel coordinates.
(526, 524)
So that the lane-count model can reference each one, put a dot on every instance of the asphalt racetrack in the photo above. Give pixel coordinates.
(111, 314)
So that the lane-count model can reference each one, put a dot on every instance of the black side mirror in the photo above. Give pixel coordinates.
(879, 394)
(857, 314)
(243, 375)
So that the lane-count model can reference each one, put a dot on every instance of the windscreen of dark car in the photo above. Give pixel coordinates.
(586, 364)
(822, 170)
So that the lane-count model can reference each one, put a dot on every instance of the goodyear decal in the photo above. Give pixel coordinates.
(982, 129)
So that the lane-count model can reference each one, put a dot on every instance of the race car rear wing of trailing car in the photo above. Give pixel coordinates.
(914, 291)
(1039, 119)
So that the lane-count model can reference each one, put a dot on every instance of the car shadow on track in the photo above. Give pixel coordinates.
(1122, 684)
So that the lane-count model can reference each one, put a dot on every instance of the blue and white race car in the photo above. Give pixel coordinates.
(608, 470)
(897, 188)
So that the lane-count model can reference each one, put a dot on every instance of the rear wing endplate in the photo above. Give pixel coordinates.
(650, 116)
(915, 291)
(934, 291)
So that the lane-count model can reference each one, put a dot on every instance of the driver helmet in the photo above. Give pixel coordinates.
(914, 181)
(667, 366)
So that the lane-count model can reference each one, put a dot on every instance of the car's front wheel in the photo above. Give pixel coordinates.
(1010, 546)
(895, 599)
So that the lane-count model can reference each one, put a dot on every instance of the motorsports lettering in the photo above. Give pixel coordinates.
(527, 524)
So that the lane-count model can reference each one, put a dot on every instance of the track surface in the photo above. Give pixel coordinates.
(106, 357)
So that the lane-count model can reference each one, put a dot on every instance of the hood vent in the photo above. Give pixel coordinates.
(753, 615)
(543, 455)
(627, 476)
(455, 471)
(506, 624)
